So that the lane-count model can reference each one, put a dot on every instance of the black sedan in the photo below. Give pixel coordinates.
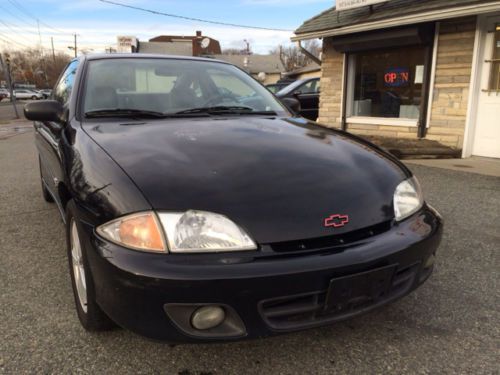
(198, 208)
(306, 91)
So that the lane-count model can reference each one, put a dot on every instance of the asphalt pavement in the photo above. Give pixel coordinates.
(450, 325)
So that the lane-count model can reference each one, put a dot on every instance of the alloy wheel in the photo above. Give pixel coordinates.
(78, 268)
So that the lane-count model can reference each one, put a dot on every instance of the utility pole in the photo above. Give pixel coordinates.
(75, 46)
(6, 69)
(53, 52)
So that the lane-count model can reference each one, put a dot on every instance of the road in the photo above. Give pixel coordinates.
(450, 325)
(7, 110)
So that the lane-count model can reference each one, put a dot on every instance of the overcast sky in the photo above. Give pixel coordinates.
(97, 24)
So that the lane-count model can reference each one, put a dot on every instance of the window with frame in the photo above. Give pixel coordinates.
(311, 87)
(494, 82)
(388, 83)
(63, 89)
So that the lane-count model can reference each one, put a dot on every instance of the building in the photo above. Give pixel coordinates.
(265, 68)
(412, 69)
(197, 45)
(311, 70)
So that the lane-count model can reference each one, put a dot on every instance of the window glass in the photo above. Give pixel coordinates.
(63, 89)
(389, 83)
(171, 85)
(310, 87)
(494, 84)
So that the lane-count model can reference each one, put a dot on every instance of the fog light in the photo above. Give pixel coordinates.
(207, 317)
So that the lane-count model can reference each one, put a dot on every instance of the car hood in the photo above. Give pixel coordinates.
(279, 179)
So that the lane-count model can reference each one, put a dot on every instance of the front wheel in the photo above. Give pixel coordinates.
(34, 97)
(89, 313)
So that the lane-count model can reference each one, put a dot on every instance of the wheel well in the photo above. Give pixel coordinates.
(64, 194)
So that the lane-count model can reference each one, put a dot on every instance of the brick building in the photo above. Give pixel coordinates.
(195, 45)
(412, 69)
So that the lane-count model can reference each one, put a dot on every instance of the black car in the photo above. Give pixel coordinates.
(275, 87)
(306, 91)
(199, 214)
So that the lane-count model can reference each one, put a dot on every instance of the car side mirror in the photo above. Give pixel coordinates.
(296, 93)
(44, 110)
(292, 104)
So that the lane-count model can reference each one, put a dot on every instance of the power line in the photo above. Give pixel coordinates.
(10, 41)
(190, 18)
(17, 32)
(21, 8)
(15, 16)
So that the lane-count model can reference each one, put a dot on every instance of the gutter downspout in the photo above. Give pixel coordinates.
(344, 92)
(308, 54)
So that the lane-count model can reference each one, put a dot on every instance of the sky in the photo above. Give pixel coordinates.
(98, 24)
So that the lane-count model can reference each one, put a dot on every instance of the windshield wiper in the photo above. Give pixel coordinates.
(124, 112)
(221, 109)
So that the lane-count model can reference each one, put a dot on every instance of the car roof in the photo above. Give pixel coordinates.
(110, 56)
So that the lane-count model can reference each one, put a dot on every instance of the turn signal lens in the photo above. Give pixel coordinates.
(138, 231)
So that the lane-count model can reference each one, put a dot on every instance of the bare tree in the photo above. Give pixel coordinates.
(31, 66)
(293, 58)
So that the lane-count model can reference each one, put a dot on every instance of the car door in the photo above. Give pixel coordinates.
(20, 94)
(308, 96)
(48, 134)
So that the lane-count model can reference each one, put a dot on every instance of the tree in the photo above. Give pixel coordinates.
(32, 66)
(293, 58)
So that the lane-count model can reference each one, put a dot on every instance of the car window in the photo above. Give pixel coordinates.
(62, 91)
(310, 87)
(171, 85)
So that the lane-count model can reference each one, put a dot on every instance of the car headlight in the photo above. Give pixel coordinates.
(200, 231)
(408, 198)
(137, 231)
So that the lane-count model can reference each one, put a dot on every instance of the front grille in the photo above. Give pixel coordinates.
(328, 242)
(305, 310)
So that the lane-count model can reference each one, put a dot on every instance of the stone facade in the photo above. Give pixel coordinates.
(330, 101)
(451, 88)
(452, 80)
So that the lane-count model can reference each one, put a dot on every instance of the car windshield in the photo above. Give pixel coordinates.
(173, 86)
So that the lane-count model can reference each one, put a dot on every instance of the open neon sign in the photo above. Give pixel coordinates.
(397, 77)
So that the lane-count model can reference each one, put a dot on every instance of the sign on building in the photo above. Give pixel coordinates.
(349, 4)
(126, 44)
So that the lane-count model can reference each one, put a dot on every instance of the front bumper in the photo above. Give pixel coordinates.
(269, 292)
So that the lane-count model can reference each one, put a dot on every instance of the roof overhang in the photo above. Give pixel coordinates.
(435, 15)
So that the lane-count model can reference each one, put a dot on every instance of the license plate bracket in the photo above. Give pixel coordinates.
(347, 291)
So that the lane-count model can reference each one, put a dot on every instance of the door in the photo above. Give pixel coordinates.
(48, 134)
(308, 96)
(487, 134)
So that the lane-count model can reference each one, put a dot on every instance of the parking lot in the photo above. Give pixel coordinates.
(450, 325)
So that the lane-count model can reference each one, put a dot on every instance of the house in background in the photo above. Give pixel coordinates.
(197, 45)
(311, 70)
(265, 68)
(427, 69)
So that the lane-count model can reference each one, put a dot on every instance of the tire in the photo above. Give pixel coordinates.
(34, 97)
(47, 197)
(91, 317)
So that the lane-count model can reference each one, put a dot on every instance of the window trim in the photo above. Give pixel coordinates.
(421, 122)
(386, 121)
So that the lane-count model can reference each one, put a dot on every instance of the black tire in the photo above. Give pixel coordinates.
(34, 97)
(47, 197)
(94, 319)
